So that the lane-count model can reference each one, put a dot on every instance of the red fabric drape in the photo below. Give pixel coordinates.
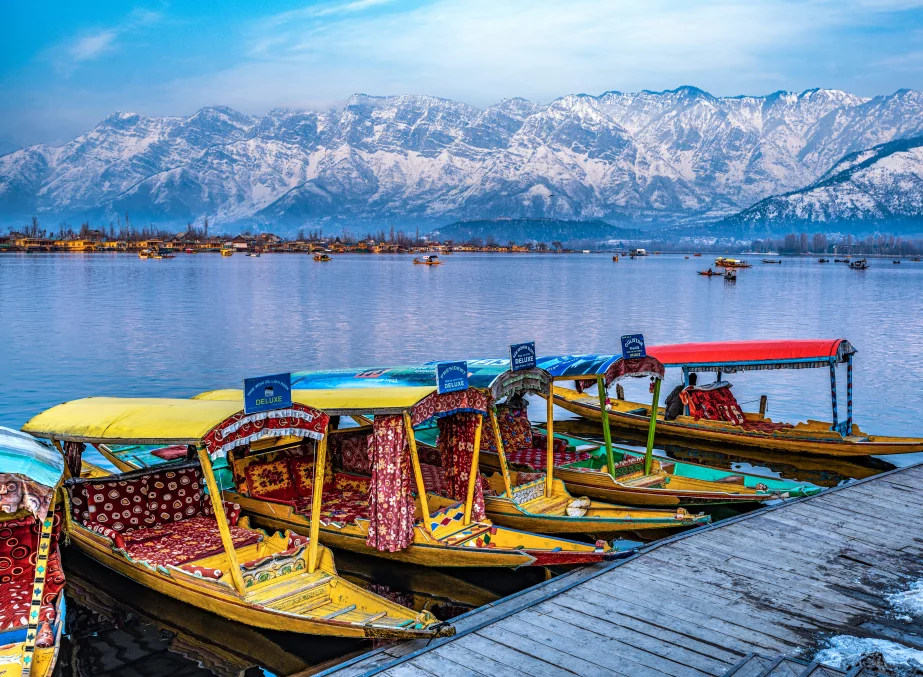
(715, 404)
(73, 453)
(456, 448)
(391, 505)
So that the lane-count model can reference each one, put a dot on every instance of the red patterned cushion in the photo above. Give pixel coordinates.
(353, 452)
(536, 458)
(303, 475)
(345, 507)
(77, 494)
(539, 440)
(349, 482)
(271, 480)
(173, 453)
(433, 478)
(18, 541)
(108, 532)
(187, 540)
(174, 495)
(231, 510)
(515, 431)
(118, 504)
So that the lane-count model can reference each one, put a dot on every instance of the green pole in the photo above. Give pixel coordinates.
(604, 414)
(649, 453)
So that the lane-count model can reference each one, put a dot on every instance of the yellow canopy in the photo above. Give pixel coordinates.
(343, 401)
(117, 420)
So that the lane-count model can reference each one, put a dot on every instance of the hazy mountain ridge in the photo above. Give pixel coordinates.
(677, 156)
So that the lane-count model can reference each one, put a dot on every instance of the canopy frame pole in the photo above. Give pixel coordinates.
(604, 415)
(549, 446)
(501, 452)
(417, 472)
(649, 452)
(38, 587)
(224, 531)
(320, 469)
(685, 385)
(475, 475)
(835, 425)
(849, 395)
(65, 499)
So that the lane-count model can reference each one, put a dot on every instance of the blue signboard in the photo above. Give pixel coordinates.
(633, 346)
(267, 392)
(451, 376)
(522, 356)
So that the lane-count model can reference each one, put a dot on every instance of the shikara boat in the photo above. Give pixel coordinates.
(322, 257)
(428, 260)
(711, 273)
(443, 527)
(31, 578)
(619, 475)
(160, 528)
(704, 422)
(772, 261)
(724, 262)
(540, 504)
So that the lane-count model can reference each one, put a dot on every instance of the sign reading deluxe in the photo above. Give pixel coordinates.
(451, 376)
(265, 393)
(522, 356)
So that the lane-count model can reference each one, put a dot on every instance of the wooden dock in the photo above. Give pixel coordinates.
(775, 581)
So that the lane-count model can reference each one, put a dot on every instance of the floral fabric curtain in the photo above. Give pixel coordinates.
(391, 504)
(456, 448)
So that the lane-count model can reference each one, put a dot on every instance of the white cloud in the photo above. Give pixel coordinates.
(91, 46)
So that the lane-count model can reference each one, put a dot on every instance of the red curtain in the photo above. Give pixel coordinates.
(73, 453)
(391, 504)
(456, 448)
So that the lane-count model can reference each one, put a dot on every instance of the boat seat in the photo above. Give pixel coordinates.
(18, 541)
(713, 402)
(183, 541)
(547, 505)
(764, 426)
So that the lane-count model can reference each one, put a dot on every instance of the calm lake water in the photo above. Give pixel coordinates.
(79, 325)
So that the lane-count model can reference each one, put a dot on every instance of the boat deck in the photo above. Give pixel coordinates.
(776, 581)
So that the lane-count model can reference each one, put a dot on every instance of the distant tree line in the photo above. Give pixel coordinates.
(818, 243)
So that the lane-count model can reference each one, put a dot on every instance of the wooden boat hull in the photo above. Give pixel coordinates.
(813, 437)
(224, 602)
(425, 550)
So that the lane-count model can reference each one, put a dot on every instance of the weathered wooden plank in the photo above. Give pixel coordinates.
(457, 655)
(480, 648)
(616, 613)
(593, 647)
(707, 628)
(409, 670)
(545, 646)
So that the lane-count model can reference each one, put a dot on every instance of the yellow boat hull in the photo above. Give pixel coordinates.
(449, 546)
(548, 515)
(223, 601)
(812, 437)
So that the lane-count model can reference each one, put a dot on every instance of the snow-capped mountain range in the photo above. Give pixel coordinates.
(883, 184)
(678, 156)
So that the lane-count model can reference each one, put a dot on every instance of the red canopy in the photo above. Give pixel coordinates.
(743, 355)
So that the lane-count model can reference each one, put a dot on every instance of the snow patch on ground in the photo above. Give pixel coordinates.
(845, 651)
(910, 601)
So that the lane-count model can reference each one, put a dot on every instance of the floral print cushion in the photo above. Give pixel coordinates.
(303, 475)
(174, 495)
(348, 482)
(515, 431)
(271, 480)
(18, 541)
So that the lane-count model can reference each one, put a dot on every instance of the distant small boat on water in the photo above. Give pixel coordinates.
(428, 260)
(861, 264)
(772, 261)
(710, 273)
(823, 260)
(730, 276)
(322, 257)
(898, 261)
(841, 260)
(615, 258)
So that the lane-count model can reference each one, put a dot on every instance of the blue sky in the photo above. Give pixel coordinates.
(65, 66)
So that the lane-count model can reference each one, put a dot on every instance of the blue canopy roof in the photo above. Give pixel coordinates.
(486, 374)
(22, 454)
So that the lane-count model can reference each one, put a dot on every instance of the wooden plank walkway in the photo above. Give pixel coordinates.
(775, 581)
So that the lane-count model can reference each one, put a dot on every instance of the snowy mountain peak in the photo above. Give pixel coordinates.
(670, 156)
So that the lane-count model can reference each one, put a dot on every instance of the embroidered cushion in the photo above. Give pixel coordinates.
(174, 495)
(271, 480)
(202, 572)
(187, 540)
(231, 510)
(348, 482)
(354, 452)
(118, 504)
(303, 475)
